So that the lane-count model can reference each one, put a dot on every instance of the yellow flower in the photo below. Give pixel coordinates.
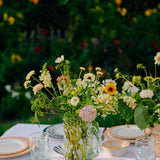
(20, 15)
(134, 20)
(136, 79)
(110, 88)
(123, 11)
(158, 6)
(1, 3)
(13, 58)
(154, 10)
(5, 16)
(119, 9)
(97, 8)
(11, 20)
(118, 2)
(148, 12)
(155, 79)
(148, 78)
(18, 57)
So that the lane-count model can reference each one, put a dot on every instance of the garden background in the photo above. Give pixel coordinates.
(109, 34)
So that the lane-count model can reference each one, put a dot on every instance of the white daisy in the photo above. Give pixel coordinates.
(157, 58)
(107, 81)
(74, 101)
(129, 87)
(59, 59)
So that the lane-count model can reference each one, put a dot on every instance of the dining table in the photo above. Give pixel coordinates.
(24, 130)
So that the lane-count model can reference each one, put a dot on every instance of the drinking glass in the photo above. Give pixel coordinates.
(145, 148)
(39, 146)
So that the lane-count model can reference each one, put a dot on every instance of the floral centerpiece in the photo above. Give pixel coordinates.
(142, 95)
(80, 100)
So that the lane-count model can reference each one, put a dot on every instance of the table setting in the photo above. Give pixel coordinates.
(21, 132)
(81, 100)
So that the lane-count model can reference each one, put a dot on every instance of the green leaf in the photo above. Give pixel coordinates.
(140, 116)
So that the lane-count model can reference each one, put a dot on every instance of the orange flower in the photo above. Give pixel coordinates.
(148, 12)
(90, 68)
(1, 3)
(11, 20)
(15, 58)
(20, 15)
(34, 1)
(118, 2)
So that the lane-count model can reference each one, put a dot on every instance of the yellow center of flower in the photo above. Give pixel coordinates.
(130, 85)
(158, 59)
(110, 88)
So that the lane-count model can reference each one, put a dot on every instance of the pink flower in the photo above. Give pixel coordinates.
(88, 113)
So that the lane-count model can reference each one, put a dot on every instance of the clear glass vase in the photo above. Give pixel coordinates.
(82, 140)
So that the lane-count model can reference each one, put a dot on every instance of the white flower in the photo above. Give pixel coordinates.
(28, 95)
(15, 94)
(8, 88)
(37, 88)
(46, 78)
(74, 101)
(157, 58)
(84, 84)
(146, 93)
(103, 98)
(133, 105)
(30, 74)
(157, 111)
(88, 113)
(107, 81)
(89, 77)
(59, 59)
(129, 87)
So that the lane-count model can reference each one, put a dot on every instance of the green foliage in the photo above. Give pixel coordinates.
(141, 116)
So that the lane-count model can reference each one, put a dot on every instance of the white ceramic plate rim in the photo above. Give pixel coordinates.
(108, 136)
(17, 154)
(128, 132)
(55, 131)
(19, 142)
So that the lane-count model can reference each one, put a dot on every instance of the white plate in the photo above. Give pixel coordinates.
(108, 136)
(55, 131)
(12, 145)
(128, 132)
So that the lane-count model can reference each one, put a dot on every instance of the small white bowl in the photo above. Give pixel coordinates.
(116, 148)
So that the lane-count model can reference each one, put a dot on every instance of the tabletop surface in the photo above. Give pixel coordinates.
(24, 130)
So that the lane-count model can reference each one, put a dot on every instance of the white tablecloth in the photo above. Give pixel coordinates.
(24, 130)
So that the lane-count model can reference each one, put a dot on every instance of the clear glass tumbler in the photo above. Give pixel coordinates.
(39, 146)
(145, 148)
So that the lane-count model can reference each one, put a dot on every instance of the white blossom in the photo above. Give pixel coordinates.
(74, 101)
(59, 59)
